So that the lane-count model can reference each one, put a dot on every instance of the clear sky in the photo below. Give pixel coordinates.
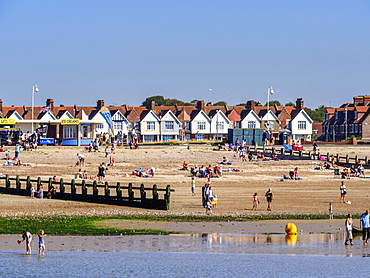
(125, 51)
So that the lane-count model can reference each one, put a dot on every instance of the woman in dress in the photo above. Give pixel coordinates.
(349, 226)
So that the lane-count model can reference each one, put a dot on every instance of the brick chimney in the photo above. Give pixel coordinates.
(151, 105)
(50, 103)
(358, 101)
(200, 105)
(366, 100)
(100, 103)
(299, 103)
(250, 104)
(1, 106)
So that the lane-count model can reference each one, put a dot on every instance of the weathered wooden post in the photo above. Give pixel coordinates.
(337, 158)
(62, 189)
(142, 193)
(28, 185)
(73, 187)
(273, 150)
(17, 184)
(107, 191)
(356, 159)
(95, 189)
(327, 157)
(118, 190)
(84, 189)
(155, 193)
(366, 160)
(167, 196)
(282, 151)
(39, 182)
(50, 184)
(300, 153)
(7, 181)
(130, 193)
(347, 158)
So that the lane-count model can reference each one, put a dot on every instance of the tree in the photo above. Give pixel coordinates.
(273, 102)
(289, 104)
(172, 102)
(159, 100)
(318, 114)
(220, 103)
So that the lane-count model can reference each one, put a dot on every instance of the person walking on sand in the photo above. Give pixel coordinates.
(255, 201)
(41, 235)
(269, 197)
(365, 226)
(192, 186)
(27, 236)
(349, 226)
(343, 192)
(331, 215)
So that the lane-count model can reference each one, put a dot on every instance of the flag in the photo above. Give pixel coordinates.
(45, 109)
(104, 111)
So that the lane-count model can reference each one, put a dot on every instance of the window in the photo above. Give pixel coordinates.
(169, 125)
(118, 125)
(270, 125)
(150, 125)
(220, 126)
(301, 124)
(148, 138)
(251, 124)
(70, 132)
(86, 131)
(168, 137)
(99, 126)
(199, 137)
(201, 125)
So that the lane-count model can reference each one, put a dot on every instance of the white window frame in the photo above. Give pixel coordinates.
(302, 125)
(169, 125)
(252, 124)
(150, 125)
(201, 125)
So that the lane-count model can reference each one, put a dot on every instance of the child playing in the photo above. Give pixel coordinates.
(214, 201)
(26, 236)
(32, 189)
(208, 207)
(331, 215)
(106, 151)
(255, 201)
(192, 186)
(41, 235)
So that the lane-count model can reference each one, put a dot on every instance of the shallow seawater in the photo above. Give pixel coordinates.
(200, 255)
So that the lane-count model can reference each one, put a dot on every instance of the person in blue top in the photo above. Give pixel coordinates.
(41, 235)
(365, 225)
(17, 150)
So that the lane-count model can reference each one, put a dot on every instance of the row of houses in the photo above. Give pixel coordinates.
(78, 125)
(350, 119)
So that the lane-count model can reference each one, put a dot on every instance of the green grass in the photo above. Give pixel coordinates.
(66, 226)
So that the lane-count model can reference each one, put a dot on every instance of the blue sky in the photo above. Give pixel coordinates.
(125, 51)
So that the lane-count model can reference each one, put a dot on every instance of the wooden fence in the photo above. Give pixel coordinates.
(340, 160)
(137, 196)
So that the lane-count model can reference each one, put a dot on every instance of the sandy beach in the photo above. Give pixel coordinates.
(311, 195)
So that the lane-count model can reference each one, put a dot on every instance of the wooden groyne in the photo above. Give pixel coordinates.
(81, 190)
(346, 161)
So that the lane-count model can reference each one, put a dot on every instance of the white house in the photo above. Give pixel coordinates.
(170, 126)
(300, 125)
(219, 124)
(149, 126)
(200, 125)
(249, 119)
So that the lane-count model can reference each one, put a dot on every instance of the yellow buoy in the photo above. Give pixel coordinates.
(291, 229)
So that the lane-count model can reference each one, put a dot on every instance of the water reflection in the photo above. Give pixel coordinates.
(312, 244)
